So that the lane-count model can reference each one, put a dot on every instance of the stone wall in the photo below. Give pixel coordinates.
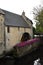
(1, 33)
(14, 36)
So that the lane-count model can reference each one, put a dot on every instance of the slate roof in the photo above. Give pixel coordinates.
(12, 19)
(1, 12)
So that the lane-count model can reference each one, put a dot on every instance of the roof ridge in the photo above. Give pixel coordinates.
(12, 19)
(9, 11)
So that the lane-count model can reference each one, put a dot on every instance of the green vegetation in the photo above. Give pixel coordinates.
(38, 16)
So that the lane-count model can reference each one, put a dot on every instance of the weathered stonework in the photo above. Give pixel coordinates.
(1, 33)
(14, 36)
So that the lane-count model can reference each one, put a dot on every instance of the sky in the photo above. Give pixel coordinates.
(18, 6)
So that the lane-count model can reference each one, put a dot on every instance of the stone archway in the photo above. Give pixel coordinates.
(25, 36)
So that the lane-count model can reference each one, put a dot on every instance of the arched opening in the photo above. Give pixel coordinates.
(25, 37)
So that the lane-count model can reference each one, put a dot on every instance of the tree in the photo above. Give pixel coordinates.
(38, 16)
(34, 31)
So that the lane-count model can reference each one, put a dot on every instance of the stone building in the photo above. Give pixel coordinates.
(12, 27)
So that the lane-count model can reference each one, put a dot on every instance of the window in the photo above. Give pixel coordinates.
(8, 29)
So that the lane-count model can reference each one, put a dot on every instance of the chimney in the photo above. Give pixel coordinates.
(23, 13)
